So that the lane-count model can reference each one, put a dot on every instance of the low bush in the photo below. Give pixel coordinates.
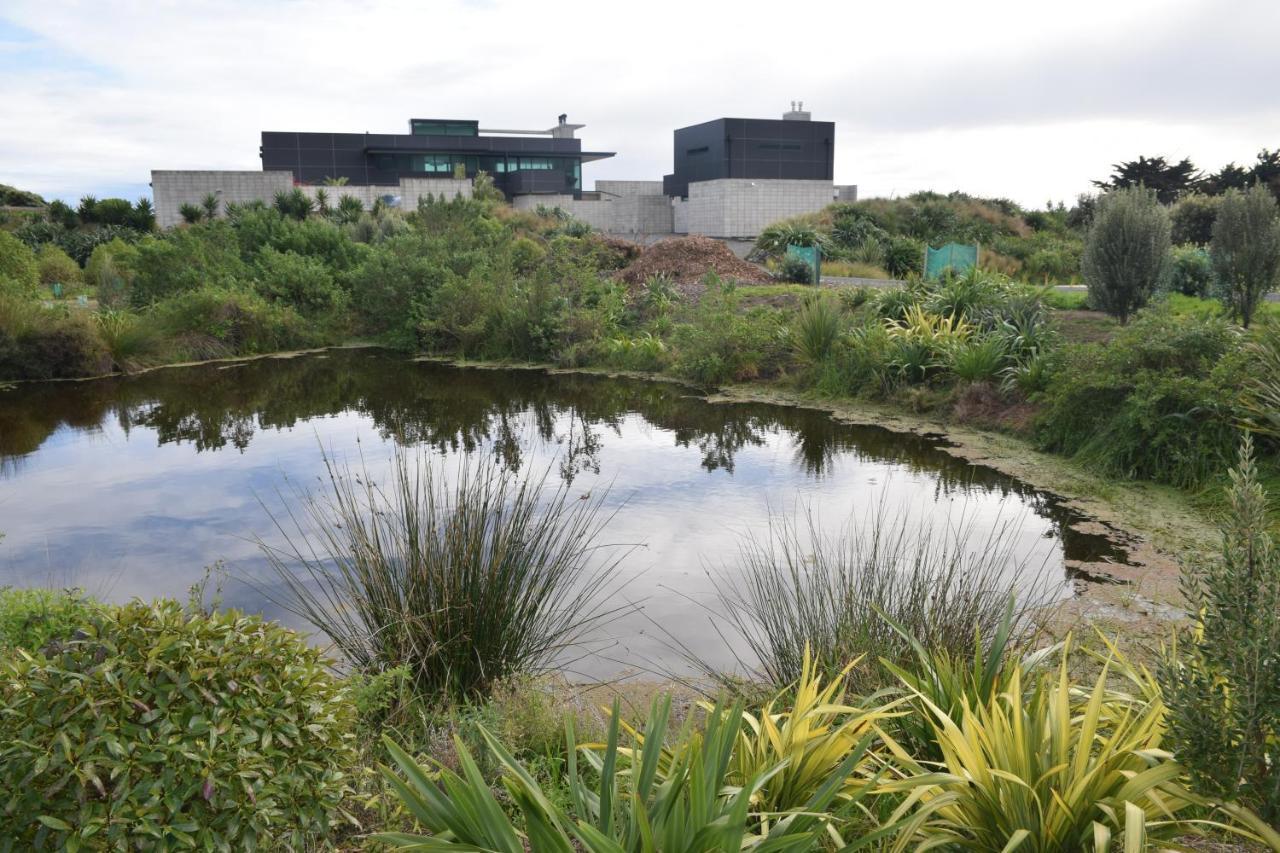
(1159, 402)
(815, 330)
(225, 321)
(796, 270)
(19, 273)
(30, 618)
(153, 727)
(44, 343)
(57, 267)
(1191, 273)
(721, 344)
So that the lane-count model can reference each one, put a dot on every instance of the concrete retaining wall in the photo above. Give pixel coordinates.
(741, 207)
(172, 189)
(629, 215)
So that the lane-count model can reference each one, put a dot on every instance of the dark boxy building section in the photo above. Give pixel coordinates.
(751, 148)
(434, 148)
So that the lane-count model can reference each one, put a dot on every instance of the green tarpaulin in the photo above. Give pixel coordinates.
(956, 256)
(811, 255)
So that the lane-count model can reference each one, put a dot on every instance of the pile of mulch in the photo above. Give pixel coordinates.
(687, 259)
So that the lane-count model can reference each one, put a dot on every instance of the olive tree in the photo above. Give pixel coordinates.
(1246, 249)
(1126, 254)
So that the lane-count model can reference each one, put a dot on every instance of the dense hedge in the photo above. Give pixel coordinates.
(149, 727)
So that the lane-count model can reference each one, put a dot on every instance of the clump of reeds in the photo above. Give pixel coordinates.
(467, 577)
(796, 587)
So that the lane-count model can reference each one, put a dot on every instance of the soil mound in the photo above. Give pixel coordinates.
(688, 259)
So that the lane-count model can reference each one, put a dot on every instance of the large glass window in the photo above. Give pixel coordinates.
(420, 127)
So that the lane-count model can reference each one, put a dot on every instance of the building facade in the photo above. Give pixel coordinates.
(522, 162)
(793, 148)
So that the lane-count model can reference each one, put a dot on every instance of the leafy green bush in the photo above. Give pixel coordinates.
(721, 344)
(217, 321)
(57, 267)
(304, 283)
(1192, 218)
(30, 618)
(904, 256)
(1246, 249)
(1222, 680)
(1191, 273)
(111, 269)
(1159, 402)
(50, 344)
(1126, 254)
(980, 359)
(158, 728)
(186, 259)
(19, 273)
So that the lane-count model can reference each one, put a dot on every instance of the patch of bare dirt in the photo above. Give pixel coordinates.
(687, 259)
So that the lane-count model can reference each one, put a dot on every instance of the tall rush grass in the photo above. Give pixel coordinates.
(798, 588)
(466, 579)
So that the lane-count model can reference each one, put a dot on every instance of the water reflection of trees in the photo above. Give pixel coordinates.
(214, 407)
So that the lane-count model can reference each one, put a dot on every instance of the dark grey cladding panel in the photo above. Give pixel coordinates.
(277, 138)
(348, 140)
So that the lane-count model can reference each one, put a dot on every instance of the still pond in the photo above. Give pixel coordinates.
(131, 486)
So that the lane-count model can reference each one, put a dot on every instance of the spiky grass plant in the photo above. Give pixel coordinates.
(817, 327)
(798, 587)
(631, 799)
(468, 576)
(1045, 765)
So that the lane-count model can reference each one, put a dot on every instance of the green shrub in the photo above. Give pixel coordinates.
(111, 269)
(19, 273)
(526, 254)
(304, 283)
(1126, 254)
(50, 344)
(1222, 680)
(30, 618)
(981, 359)
(720, 345)
(1191, 273)
(1246, 249)
(224, 321)
(1192, 218)
(158, 728)
(904, 256)
(57, 267)
(1159, 402)
(186, 259)
(129, 338)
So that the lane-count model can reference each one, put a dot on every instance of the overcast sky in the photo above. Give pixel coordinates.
(1020, 99)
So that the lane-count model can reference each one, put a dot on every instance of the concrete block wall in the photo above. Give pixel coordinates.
(679, 216)
(631, 215)
(171, 189)
(626, 189)
(409, 190)
(846, 192)
(741, 207)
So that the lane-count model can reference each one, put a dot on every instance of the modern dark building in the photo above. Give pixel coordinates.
(522, 162)
(791, 148)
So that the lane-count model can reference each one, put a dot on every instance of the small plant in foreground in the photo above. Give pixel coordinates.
(1044, 765)
(1223, 678)
(154, 728)
(466, 583)
(637, 798)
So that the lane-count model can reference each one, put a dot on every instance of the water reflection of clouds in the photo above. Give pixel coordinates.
(129, 505)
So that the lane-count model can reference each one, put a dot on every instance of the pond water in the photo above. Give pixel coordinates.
(131, 486)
